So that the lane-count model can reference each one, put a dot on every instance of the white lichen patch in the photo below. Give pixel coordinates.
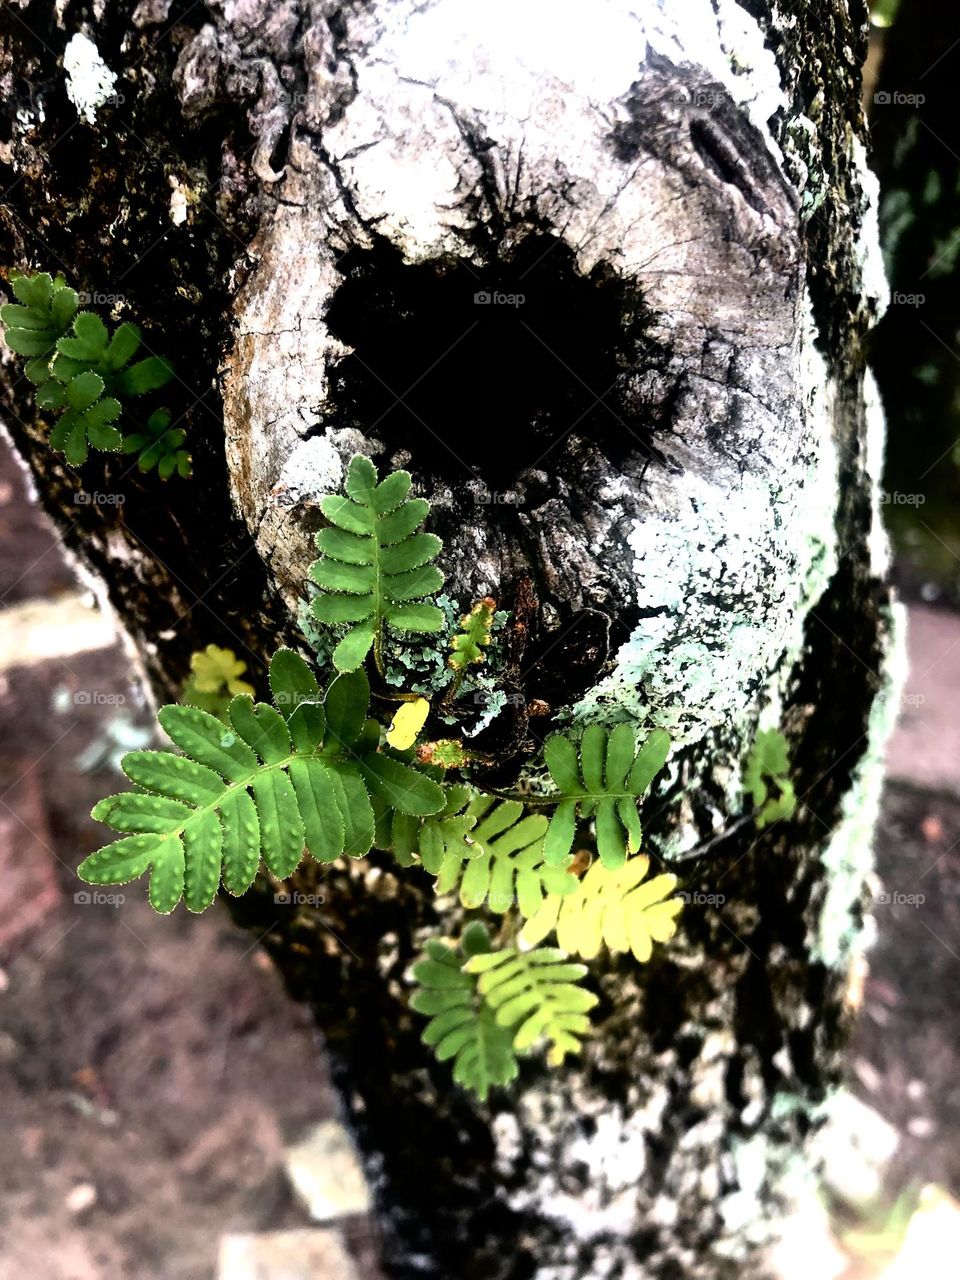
(532, 78)
(879, 542)
(608, 1160)
(716, 630)
(90, 82)
(179, 200)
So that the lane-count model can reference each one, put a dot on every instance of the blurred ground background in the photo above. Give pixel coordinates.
(148, 1134)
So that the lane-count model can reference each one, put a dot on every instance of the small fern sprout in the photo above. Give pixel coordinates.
(87, 420)
(41, 315)
(469, 642)
(79, 368)
(769, 765)
(215, 679)
(445, 753)
(159, 446)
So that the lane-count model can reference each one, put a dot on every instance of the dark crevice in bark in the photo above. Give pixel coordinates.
(500, 358)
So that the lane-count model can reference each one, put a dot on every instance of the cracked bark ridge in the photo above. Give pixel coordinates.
(683, 208)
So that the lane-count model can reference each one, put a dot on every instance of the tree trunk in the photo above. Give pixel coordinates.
(655, 443)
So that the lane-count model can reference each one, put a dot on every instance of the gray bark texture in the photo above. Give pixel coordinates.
(662, 461)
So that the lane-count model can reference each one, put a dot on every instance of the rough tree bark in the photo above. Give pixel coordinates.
(663, 461)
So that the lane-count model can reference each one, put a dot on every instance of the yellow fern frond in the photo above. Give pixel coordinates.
(610, 907)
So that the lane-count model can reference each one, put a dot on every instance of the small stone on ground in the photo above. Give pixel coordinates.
(285, 1255)
(326, 1173)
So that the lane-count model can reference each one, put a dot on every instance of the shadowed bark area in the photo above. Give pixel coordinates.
(680, 425)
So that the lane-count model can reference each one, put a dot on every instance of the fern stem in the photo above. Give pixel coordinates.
(378, 653)
(523, 797)
(453, 688)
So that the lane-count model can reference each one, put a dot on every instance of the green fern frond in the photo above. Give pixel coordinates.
(500, 863)
(769, 763)
(612, 908)
(87, 419)
(602, 776)
(473, 637)
(376, 569)
(89, 347)
(443, 835)
(537, 995)
(79, 368)
(33, 324)
(299, 773)
(158, 446)
(463, 1026)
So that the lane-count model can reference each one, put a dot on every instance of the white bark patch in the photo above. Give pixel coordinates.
(90, 82)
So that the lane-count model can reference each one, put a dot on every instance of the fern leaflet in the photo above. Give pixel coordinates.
(504, 863)
(301, 772)
(42, 314)
(603, 776)
(537, 994)
(611, 907)
(462, 1025)
(445, 834)
(375, 569)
